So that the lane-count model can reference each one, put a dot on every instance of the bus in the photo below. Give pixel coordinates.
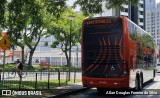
(116, 54)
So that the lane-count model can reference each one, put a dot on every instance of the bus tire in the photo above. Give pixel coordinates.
(141, 74)
(138, 82)
(154, 74)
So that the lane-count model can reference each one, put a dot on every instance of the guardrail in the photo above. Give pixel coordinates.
(39, 80)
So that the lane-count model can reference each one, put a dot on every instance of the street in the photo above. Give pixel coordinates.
(151, 90)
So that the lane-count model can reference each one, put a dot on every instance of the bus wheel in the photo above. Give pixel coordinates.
(154, 74)
(138, 82)
(141, 78)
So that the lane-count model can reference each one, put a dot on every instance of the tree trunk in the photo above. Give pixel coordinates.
(23, 61)
(67, 58)
(13, 54)
(30, 58)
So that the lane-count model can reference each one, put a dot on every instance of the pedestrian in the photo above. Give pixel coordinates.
(19, 66)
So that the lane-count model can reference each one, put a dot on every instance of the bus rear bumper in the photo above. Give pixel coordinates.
(116, 83)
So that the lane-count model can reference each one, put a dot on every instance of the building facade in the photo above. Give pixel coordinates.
(136, 14)
(150, 4)
(153, 23)
(45, 53)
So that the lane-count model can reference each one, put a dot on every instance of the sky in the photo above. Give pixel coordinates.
(70, 3)
(157, 1)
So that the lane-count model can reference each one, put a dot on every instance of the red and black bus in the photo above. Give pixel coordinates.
(116, 53)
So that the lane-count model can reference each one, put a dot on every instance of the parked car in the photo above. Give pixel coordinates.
(44, 64)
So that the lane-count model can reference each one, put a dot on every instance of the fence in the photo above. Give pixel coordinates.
(39, 80)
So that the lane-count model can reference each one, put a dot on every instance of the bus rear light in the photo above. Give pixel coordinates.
(125, 73)
(124, 62)
(125, 68)
(83, 69)
(91, 82)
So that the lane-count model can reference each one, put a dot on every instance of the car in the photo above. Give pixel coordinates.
(44, 64)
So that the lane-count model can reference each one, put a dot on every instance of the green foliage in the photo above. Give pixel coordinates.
(132, 35)
(54, 68)
(8, 67)
(27, 19)
(3, 4)
(95, 6)
(148, 41)
(89, 6)
(61, 29)
(55, 8)
(145, 40)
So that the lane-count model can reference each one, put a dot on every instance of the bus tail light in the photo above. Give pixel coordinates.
(83, 68)
(125, 68)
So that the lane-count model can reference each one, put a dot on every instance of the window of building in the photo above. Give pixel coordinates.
(141, 20)
(141, 12)
(141, 5)
(45, 43)
(126, 10)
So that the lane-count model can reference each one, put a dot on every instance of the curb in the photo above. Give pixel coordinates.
(68, 93)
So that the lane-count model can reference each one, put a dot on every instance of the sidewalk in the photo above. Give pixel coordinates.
(66, 90)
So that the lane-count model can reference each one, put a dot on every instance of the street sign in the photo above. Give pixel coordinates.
(4, 43)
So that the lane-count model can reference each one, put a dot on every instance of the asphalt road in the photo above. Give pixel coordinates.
(151, 90)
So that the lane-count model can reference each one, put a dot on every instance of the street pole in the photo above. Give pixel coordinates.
(3, 69)
(77, 56)
(70, 50)
(70, 18)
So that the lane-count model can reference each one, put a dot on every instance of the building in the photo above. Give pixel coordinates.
(153, 23)
(150, 4)
(56, 57)
(136, 14)
(45, 53)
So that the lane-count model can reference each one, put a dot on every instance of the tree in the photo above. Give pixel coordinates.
(61, 31)
(16, 24)
(148, 41)
(27, 19)
(3, 4)
(43, 14)
(90, 7)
